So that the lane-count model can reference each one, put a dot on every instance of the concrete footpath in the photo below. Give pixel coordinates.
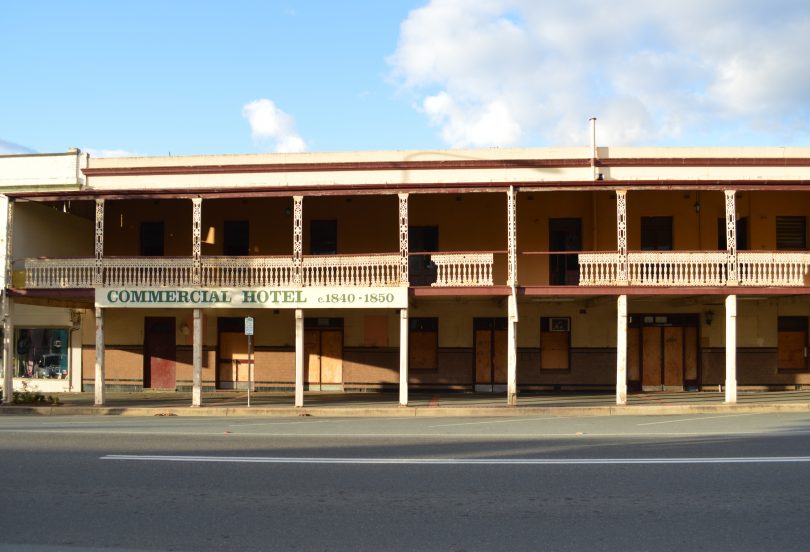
(384, 404)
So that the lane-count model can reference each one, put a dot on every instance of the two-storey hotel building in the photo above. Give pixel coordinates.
(494, 270)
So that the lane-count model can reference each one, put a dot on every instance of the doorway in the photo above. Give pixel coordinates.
(564, 234)
(159, 360)
(421, 270)
(490, 343)
(232, 354)
(792, 343)
(323, 354)
(662, 352)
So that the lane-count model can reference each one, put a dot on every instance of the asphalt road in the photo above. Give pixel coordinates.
(722, 482)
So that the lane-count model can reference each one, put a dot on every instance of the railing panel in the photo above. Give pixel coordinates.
(59, 273)
(148, 271)
(598, 269)
(247, 271)
(773, 268)
(463, 269)
(677, 268)
(352, 270)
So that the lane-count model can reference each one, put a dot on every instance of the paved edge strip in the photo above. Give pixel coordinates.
(405, 411)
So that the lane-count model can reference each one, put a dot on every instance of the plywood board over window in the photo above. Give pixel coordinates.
(375, 330)
(555, 343)
(423, 344)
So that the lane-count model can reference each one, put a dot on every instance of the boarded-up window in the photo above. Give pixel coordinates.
(791, 233)
(375, 331)
(555, 343)
(423, 344)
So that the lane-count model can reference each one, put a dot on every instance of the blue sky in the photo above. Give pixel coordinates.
(181, 77)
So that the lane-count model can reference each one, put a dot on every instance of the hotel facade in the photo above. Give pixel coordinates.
(495, 270)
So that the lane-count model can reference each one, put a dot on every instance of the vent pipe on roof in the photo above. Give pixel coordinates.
(596, 175)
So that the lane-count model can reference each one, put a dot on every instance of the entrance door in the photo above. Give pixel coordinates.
(564, 234)
(792, 343)
(159, 353)
(490, 341)
(662, 352)
(421, 271)
(232, 366)
(323, 354)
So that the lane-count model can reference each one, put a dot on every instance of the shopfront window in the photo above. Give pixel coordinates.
(41, 353)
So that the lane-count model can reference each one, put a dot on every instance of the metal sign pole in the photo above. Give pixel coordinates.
(250, 378)
(249, 334)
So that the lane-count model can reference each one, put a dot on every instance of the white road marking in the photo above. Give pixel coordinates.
(461, 461)
(698, 418)
(506, 421)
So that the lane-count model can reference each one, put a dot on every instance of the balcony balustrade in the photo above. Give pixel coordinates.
(463, 269)
(352, 270)
(645, 268)
(770, 268)
(248, 271)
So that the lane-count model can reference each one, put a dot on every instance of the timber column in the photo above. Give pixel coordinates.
(98, 281)
(99, 383)
(299, 357)
(403, 357)
(196, 252)
(403, 314)
(196, 375)
(731, 349)
(7, 224)
(621, 350)
(512, 310)
(622, 275)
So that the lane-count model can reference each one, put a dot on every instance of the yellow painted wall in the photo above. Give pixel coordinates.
(122, 220)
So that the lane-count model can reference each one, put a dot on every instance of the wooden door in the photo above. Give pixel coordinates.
(500, 355)
(651, 358)
(792, 343)
(159, 353)
(633, 357)
(312, 356)
(331, 356)
(690, 356)
(483, 357)
(323, 356)
(673, 358)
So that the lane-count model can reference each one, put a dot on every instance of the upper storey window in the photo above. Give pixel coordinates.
(791, 233)
(656, 233)
(236, 238)
(323, 237)
(152, 239)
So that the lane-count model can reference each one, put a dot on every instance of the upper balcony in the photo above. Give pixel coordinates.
(674, 239)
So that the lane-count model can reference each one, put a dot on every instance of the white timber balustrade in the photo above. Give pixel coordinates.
(677, 268)
(148, 271)
(248, 271)
(463, 269)
(598, 269)
(352, 270)
(766, 268)
(59, 273)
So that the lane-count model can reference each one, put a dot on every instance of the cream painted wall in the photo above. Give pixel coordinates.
(41, 231)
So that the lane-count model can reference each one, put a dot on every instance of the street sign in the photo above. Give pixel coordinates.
(248, 325)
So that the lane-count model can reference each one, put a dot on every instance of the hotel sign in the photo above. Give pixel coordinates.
(254, 298)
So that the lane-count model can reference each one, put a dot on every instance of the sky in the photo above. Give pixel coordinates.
(182, 77)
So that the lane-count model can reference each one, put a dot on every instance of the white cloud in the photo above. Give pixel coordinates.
(10, 148)
(272, 128)
(501, 72)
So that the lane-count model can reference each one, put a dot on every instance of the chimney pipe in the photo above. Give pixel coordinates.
(595, 174)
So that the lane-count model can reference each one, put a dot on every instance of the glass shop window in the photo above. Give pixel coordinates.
(41, 353)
